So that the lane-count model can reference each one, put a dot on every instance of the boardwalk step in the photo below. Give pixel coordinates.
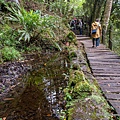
(110, 89)
(112, 96)
(105, 72)
(106, 75)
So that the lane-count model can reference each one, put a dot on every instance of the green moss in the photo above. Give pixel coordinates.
(84, 99)
(87, 109)
(76, 76)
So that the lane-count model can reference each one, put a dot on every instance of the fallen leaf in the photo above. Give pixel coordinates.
(44, 64)
(48, 115)
(8, 99)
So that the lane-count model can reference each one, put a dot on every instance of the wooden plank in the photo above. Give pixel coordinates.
(103, 69)
(109, 85)
(105, 66)
(104, 57)
(105, 72)
(113, 96)
(114, 84)
(108, 78)
(116, 105)
(94, 53)
(98, 50)
(110, 90)
(106, 75)
(104, 60)
(101, 53)
(107, 81)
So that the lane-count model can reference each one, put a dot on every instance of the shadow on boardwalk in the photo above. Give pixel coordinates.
(105, 66)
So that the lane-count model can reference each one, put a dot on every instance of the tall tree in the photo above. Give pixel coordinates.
(115, 13)
(93, 9)
(107, 13)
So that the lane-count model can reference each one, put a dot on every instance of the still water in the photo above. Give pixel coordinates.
(39, 94)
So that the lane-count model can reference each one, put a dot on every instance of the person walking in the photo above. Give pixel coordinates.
(80, 26)
(96, 33)
(72, 24)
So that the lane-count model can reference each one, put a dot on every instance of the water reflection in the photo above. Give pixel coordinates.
(42, 98)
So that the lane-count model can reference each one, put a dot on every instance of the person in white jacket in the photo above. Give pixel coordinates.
(80, 26)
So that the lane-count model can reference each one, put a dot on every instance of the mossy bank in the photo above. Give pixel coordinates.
(83, 95)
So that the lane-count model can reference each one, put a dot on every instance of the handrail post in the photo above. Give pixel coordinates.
(103, 36)
(110, 38)
(88, 30)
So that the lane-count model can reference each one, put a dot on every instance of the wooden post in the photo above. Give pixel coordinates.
(110, 38)
(88, 31)
(103, 36)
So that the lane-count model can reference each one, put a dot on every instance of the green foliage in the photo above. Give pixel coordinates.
(2, 1)
(78, 86)
(115, 16)
(72, 55)
(34, 27)
(29, 21)
(10, 53)
(62, 115)
(78, 7)
(68, 95)
(60, 7)
(83, 87)
(32, 48)
(8, 36)
(76, 76)
(71, 37)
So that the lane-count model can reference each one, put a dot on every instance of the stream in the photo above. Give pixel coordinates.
(38, 94)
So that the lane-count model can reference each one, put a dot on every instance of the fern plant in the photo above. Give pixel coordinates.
(29, 21)
(34, 26)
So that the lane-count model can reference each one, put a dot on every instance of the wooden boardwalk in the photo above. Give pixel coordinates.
(105, 66)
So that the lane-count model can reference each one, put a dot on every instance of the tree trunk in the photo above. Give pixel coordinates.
(100, 8)
(93, 11)
(107, 13)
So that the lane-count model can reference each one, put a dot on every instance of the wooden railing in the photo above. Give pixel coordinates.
(111, 39)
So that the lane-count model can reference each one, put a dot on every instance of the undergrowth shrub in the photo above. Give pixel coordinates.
(8, 36)
(10, 53)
